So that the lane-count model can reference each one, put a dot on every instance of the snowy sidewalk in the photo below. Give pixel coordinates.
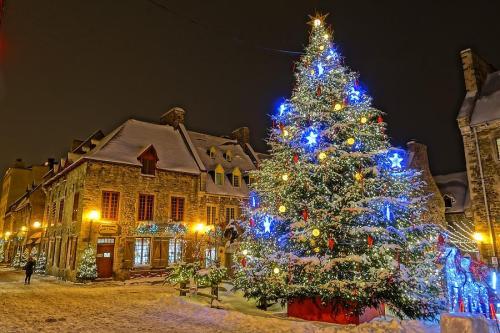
(50, 305)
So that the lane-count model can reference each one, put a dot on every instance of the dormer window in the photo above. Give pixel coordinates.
(228, 155)
(449, 200)
(219, 175)
(148, 159)
(236, 177)
(212, 151)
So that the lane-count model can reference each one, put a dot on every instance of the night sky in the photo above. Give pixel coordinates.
(72, 67)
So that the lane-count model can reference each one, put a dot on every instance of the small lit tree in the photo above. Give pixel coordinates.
(16, 262)
(41, 263)
(87, 268)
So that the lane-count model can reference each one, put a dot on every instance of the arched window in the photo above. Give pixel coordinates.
(219, 175)
(449, 200)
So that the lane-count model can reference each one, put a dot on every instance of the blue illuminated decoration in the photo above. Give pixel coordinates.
(388, 214)
(465, 292)
(320, 69)
(354, 95)
(254, 200)
(282, 109)
(267, 224)
(395, 161)
(312, 138)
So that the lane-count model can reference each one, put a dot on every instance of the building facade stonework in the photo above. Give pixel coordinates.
(142, 179)
(479, 123)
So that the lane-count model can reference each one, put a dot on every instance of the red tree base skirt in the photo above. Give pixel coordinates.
(333, 312)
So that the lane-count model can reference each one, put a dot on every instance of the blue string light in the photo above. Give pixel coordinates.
(320, 69)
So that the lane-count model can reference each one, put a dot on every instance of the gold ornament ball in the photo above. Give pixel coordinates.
(245, 252)
(350, 141)
(337, 107)
(312, 242)
(322, 155)
(312, 71)
(316, 249)
(284, 177)
(282, 209)
(276, 270)
(315, 232)
(325, 36)
(358, 176)
(363, 120)
(285, 133)
(321, 47)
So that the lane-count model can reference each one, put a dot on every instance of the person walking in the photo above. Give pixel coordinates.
(30, 265)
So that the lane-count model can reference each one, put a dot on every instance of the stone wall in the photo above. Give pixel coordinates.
(486, 139)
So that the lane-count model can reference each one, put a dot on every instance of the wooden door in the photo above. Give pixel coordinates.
(105, 253)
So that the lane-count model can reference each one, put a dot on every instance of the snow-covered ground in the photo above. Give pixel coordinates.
(145, 305)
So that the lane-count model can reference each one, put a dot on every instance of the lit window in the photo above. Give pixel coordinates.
(236, 177)
(210, 256)
(177, 208)
(109, 205)
(228, 156)
(219, 175)
(174, 250)
(236, 181)
(211, 214)
(211, 152)
(230, 214)
(146, 204)
(142, 248)
(448, 200)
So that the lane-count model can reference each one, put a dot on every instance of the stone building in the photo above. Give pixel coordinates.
(17, 181)
(128, 193)
(455, 193)
(479, 123)
(419, 159)
(23, 221)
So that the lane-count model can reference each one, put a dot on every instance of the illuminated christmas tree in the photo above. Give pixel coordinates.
(41, 263)
(87, 268)
(335, 213)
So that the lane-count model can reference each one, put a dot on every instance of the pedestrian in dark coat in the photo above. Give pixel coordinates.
(30, 265)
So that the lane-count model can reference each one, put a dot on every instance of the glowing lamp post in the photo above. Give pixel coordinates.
(36, 225)
(93, 216)
(478, 237)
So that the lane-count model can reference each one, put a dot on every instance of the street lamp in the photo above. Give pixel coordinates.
(93, 216)
(36, 224)
(478, 237)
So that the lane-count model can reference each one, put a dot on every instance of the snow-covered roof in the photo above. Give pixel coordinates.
(126, 143)
(486, 107)
(455, 185)
(239, 159)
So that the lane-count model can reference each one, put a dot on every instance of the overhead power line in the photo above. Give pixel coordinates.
(160, 4)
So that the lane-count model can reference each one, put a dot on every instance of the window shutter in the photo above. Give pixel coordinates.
(164, 253)
(128, 256)
(156, 253)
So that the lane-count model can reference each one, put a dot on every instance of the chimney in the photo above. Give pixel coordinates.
(420, 159)
(19, 163)
(475, 70)
(173, 117)
(50, 163)
(75, 144)
(242, 135)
